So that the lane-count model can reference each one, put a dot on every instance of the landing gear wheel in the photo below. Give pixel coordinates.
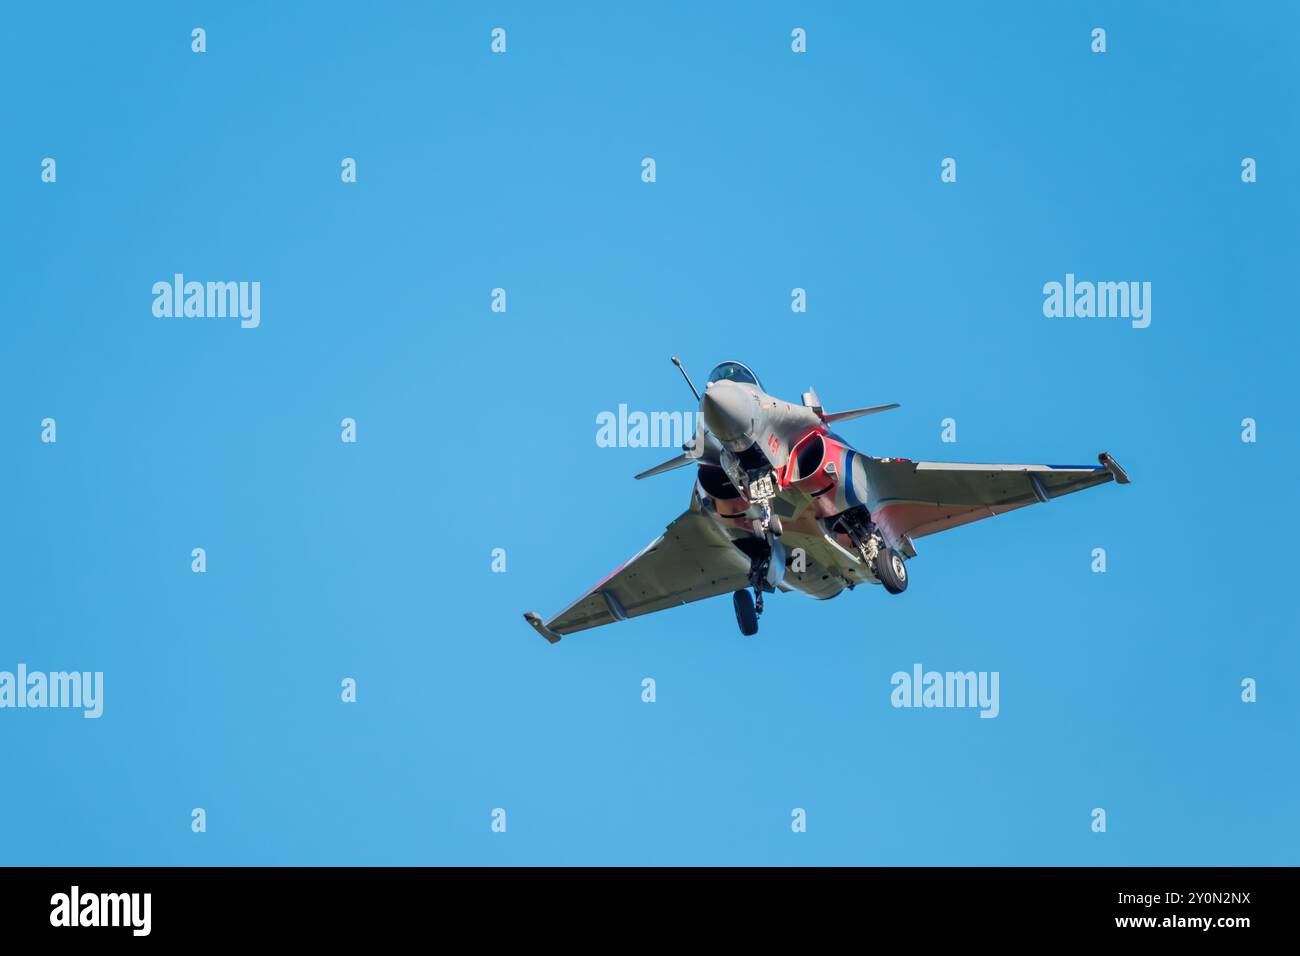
(745, 614)
(891, 570)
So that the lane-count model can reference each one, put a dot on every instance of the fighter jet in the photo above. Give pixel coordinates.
(782, 503)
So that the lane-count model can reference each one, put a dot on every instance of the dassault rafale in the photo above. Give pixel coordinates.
(782, 503)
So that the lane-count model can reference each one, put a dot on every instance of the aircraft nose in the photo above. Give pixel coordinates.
(726, 410)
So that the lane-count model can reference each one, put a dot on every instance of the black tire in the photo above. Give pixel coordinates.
(745, 615)
(891, 570)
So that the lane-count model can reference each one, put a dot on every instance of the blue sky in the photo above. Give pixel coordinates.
(476, 429)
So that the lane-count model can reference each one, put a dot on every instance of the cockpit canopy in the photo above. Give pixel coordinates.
(734, 372)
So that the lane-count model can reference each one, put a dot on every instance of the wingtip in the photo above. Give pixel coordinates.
(1111, 465)
(535, 621)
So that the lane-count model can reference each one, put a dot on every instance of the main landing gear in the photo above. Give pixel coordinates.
(891, 570)
(746, 612)
(886, 563)
(761, 580)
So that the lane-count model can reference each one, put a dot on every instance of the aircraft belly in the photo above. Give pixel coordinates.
(815, 583)
(829, 567)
